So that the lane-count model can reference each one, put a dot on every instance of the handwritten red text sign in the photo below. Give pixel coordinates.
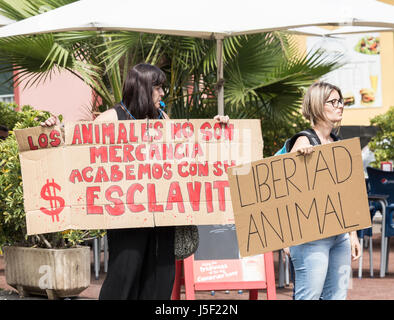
(135, 173)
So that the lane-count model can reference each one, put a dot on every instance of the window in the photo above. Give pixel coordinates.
(6, 87)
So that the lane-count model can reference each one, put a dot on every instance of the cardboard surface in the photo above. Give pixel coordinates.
(290, 199)
(132, 173)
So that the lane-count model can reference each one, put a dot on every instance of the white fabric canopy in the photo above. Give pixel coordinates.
(204, 18)
(215, 19)
(317, 31)
(4, 20)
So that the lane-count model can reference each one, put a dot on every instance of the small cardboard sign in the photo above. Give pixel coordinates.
(291, 199)
(131, 174)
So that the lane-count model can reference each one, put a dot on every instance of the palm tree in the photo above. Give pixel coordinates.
(35, 58)
(264, 74)
(265, 77)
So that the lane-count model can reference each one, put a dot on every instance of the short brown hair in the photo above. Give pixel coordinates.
(314, 100)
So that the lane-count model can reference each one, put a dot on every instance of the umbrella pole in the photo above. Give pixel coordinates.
(220, 81)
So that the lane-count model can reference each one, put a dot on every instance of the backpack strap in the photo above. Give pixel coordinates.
(311, 135)
(334, 137)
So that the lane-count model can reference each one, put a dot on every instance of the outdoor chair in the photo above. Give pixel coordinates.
(373, 208)
(382, 182)
(361, 235)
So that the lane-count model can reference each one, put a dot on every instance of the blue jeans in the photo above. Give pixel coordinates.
(322, 268)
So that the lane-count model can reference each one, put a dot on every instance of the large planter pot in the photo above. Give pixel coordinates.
(56, 273)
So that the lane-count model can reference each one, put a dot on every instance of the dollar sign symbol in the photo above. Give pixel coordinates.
(48, 192)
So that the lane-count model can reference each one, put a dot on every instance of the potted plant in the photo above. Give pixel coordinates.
(382, 145)
(53, 264)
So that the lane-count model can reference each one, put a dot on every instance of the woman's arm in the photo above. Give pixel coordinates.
(302, 146)
(109, 115)
(355, 245)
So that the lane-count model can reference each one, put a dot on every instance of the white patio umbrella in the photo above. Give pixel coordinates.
(318, 31)
(5, 20)
(215, 19)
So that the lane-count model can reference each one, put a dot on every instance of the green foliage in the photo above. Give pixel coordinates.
(382, 145)
(264, 79)
(12, 213)
(276, 133)
(264, 74)
(27, 117)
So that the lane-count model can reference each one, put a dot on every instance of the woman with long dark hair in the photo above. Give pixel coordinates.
(141, 260)
(141, 95)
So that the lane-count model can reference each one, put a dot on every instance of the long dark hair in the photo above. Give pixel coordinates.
(138, 88)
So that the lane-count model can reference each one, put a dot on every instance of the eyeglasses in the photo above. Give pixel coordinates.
(335, 103)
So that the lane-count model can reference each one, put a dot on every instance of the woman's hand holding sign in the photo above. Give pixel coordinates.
(302, 146)
(50, 122)
(222, 119)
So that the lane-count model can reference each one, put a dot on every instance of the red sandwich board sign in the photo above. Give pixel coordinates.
(216, 265)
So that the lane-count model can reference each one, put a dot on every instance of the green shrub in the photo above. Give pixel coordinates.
(382, 145)
(12, 213)
(27, 117)
(8, 115)
(275, 133)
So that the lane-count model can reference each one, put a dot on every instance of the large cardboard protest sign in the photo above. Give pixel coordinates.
(132, 173)
(291, 199)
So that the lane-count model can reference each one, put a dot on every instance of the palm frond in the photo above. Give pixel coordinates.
(22, 9)
(15, 10)
(116, 45)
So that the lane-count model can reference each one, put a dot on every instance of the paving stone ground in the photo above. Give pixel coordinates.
(367, 288)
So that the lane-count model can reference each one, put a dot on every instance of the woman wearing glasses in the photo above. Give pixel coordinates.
(141, 262)
(323, 267)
